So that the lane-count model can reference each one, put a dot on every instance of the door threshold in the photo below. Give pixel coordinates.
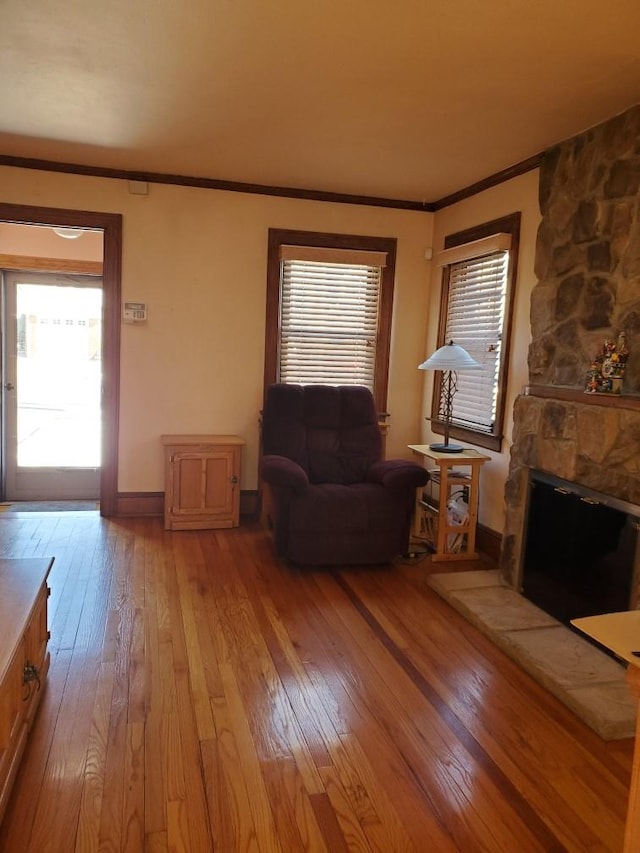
(50, 506)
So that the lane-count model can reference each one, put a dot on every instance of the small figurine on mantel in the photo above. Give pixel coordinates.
(607, 369)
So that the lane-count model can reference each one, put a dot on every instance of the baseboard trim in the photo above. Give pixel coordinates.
(131, 504)
(139, 503)
(489, 542)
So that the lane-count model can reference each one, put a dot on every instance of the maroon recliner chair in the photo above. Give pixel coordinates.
(331, 498)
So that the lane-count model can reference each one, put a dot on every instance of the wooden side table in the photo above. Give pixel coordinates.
(202, 481)
(620, 632)
(450, 473)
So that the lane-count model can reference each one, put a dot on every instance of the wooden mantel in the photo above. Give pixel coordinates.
(577, 395)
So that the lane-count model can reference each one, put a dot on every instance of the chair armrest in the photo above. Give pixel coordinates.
(398, 474)
(283, 473)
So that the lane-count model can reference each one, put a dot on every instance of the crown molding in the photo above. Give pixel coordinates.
(491, 181)
(281, 192)
(211, 183)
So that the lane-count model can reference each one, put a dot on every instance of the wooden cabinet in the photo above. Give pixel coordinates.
(453, 485)
(24, 658)
(202, 481)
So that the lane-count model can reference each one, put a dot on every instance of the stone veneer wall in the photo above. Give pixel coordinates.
(588, 253)
(588, 268)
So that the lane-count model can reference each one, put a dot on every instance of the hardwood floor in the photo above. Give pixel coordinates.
(202, 696)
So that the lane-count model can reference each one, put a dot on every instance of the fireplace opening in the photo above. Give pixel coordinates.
(581, 549)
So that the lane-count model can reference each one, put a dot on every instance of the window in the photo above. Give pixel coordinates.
(479, 269)
(329, 299)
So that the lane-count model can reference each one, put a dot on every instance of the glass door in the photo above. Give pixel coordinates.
(52, 386)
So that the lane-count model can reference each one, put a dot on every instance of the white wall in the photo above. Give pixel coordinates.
(518, 194)
(198, 258)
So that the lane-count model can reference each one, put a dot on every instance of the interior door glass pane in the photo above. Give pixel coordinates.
(59, 375)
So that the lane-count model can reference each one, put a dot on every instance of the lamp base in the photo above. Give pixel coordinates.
(446, 448)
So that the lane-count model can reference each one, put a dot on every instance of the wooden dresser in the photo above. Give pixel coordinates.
(24, 658)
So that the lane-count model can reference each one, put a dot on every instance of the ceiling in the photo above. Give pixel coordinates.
(411, 100)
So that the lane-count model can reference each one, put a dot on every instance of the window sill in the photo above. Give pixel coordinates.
(479, 439)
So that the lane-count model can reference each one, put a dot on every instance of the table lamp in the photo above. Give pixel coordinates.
(450, 358)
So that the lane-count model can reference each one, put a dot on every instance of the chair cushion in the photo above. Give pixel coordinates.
(331, 432)
(338, 508)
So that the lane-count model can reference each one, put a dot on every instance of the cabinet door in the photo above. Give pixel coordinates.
(204, 484)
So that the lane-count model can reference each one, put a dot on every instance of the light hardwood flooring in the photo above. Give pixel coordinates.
(203, 697)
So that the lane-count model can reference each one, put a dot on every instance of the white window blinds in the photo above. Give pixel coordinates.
(329, 311)
(475, 320)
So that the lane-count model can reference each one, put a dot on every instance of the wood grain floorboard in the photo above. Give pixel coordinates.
(204, 697)
(463, 736)
(532, 753)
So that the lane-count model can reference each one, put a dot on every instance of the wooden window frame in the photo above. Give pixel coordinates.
(509, 224)
(279, 237)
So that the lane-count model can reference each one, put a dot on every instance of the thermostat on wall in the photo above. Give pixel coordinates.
(134, 312)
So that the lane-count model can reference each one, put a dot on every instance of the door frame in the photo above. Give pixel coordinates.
(111, 225)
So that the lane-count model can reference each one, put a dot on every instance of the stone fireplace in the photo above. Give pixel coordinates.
(588, 269)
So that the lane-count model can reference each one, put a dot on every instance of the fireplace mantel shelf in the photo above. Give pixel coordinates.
(575, 395)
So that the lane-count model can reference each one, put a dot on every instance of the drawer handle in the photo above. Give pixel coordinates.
(30, 674)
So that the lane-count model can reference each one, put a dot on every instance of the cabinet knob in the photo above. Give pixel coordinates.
(29, 675)
(233, 479)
